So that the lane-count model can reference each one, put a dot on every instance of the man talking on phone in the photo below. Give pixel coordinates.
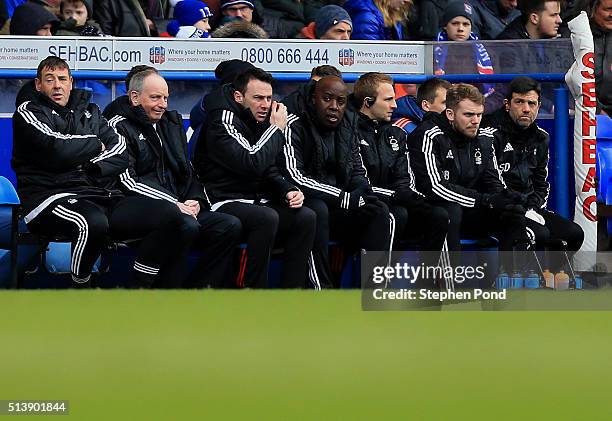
(235, 157)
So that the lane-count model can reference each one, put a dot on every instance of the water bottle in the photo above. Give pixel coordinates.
(577, 282)
(516, 280)
(549, 279)
(532, 280)
(561, 280)
(502, 281)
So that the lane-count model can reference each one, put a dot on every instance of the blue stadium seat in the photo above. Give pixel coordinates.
(604, 162)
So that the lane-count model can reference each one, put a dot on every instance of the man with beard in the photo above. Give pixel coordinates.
(235, 157)
(322, 158)
(522, 150)
(454, 165)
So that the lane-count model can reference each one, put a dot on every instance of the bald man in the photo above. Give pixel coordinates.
(159, 168)
(322, 158)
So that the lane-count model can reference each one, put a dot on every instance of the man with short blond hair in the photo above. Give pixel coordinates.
(385, 157)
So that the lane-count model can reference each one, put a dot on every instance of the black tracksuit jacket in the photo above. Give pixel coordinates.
(236, 156)
(57, 151)
(304, 160)
(522, 157)
(385, 156)
(451, 167)
(156, 171)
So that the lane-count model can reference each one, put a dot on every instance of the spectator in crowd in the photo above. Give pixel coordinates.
(455, 59)
(332, 22)
(159, 168)
(379, 19)
(492, 16)
(77, 19)
(431, 97)
(322, 158)
(191, 20)
(522, 149)
(122, 18)
(236, 27)
(454, 166)
(385, 156)
(4, 15)
(298, 100)
(539, 19)
(430, 18)
(236, 159)
(601, 26)
(289, 12)
(68, 159)
(33, 19)
(52, 6)
(253, 12)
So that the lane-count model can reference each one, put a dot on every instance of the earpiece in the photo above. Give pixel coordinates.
(369, 101)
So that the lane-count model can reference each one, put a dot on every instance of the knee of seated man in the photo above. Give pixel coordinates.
(268, 217)
(538, 233)
(234, 227)
(306, 218)
(439, 216)
(319, 207)
(97, 225)
(190, 227)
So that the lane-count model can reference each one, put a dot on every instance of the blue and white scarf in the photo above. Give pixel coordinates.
(481, 57)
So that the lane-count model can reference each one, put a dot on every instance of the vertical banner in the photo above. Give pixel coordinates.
(581, 82)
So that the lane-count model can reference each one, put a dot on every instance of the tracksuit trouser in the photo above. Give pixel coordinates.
(263, 226)
(91, 223)
(353, 229)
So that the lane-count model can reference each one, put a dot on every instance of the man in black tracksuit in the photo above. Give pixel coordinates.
(235, 157)
(159, 168)
(385, 155)
(67, 159)
(522, 149)
(454, 165)
(322, 157)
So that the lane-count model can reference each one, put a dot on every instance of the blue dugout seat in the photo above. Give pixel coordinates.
(604, 163)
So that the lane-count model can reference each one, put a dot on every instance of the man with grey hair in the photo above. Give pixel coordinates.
(159, 168)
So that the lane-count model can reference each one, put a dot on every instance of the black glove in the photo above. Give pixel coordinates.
(372, 207)
(410, 200)
(351, 200)
(403, 198)
(497, 201)
(512, 211)
(515, 196)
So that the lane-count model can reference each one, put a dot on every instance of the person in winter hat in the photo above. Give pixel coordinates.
(332, 22)
(457, 26)
(190, 20)
(33, 19)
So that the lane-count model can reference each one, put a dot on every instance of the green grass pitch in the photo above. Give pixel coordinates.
(298, 355)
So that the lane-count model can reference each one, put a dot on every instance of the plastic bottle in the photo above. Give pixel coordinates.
(561, 280)
(549, 279)
(503, 280)
(532, 280)
(516, 280)
(577, 283)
